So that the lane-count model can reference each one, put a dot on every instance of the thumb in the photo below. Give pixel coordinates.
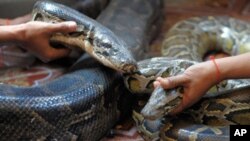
(65, 27)
(179, 108)
(54, 54)
(172, 82)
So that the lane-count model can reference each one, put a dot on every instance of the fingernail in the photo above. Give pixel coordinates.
(71, 24)
(156, 84)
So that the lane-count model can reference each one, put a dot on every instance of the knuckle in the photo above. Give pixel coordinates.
(63, 27)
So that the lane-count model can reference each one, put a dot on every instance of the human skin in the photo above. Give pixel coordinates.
(198, 79)
(17, 20)
(34, 36)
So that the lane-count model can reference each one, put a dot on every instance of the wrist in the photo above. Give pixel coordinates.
(217, 72)
(211, 73)
(19, 32)
(233, 68)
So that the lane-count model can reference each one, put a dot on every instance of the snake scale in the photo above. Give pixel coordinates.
(227, 103)
(86, 102)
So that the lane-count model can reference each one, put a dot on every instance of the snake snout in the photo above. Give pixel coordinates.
(149, 114)
(124, 63)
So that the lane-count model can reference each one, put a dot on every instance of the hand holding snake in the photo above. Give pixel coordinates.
(195, 80)
(34, 36)
(198, 79)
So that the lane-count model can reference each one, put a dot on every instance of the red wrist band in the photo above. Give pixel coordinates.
(7, 22)
(217, 68)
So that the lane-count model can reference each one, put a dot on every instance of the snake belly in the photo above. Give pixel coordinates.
(185, 44)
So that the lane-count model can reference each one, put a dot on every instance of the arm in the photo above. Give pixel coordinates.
(198, 79)
(18, 20)
(34, 36)
(235, 67)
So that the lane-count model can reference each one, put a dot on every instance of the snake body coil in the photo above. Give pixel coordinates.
(187, 42)
(84, 103)
(68, 108)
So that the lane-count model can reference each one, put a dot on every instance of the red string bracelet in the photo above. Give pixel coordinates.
(217, 68)
(7, 22)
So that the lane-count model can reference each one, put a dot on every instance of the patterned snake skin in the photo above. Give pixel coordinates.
(227, 103)
(84, 103)
(94, 38)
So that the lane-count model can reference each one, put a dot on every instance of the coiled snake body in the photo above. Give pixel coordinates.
(68, 108)
(86, 102)
(82, 105)
(227, 103)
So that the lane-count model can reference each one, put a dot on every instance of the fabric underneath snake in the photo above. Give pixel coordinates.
(80, 105)
(191, 39)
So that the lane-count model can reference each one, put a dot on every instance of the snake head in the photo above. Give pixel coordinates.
(91, 36)
(160, 103)
(112, 52)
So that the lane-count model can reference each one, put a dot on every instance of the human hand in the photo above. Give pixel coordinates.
(35, 37)
(17, 20)
(196, 81)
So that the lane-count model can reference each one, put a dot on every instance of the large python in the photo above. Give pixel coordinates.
(94, 37)
(188, 42)
(84, 103)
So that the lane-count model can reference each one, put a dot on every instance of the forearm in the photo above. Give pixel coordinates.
(234, 67)
(12, 33)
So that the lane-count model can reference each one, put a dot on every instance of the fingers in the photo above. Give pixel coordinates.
(186, 102)
(55, 54)
(171, 82)
(61, 52)
(49, 53)
(156, 84)
(178, 109)
(183, 105)
(64, 27)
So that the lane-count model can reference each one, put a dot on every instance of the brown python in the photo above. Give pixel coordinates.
(185, 44)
